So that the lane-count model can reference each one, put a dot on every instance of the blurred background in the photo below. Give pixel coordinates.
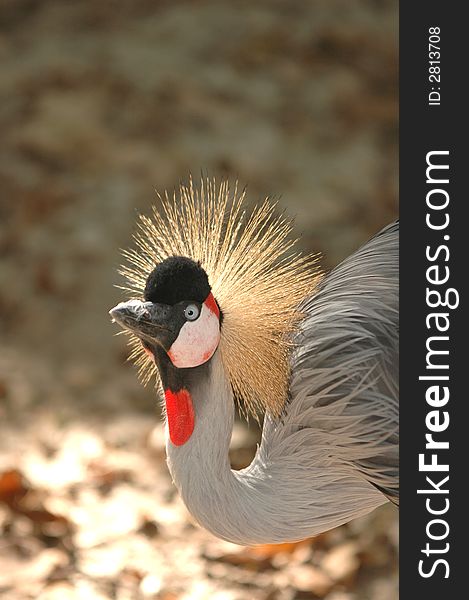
(101, 103)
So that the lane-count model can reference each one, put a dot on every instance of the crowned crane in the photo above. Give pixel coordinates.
(222, 311)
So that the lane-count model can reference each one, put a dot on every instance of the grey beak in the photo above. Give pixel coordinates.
(130, 312)
(145, 319)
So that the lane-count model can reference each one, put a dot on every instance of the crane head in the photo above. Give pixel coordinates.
(178, 315)
(206, 274)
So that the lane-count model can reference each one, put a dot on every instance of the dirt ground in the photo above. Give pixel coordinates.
(101, 103)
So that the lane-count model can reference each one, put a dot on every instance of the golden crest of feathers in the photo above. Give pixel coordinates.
(257, 284)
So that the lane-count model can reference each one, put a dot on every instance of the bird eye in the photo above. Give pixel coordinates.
(191, 312)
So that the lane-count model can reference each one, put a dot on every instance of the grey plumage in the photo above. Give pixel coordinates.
(319, 355)
(333, 454)
(345, 367)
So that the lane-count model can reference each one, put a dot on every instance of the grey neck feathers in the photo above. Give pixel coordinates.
(283, 495)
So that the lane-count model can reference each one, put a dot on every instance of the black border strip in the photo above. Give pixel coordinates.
(425, 128)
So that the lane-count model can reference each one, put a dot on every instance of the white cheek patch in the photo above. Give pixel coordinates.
(197, 340)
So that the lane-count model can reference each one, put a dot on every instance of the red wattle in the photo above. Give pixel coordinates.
(211, 304)
(180, 413)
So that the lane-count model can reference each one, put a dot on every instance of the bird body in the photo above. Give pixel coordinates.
(329, 447)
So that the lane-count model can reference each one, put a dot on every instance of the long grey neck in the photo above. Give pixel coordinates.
(281, 496)
(201, 468)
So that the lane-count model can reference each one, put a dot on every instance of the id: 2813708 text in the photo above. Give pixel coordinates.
(434, 66)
